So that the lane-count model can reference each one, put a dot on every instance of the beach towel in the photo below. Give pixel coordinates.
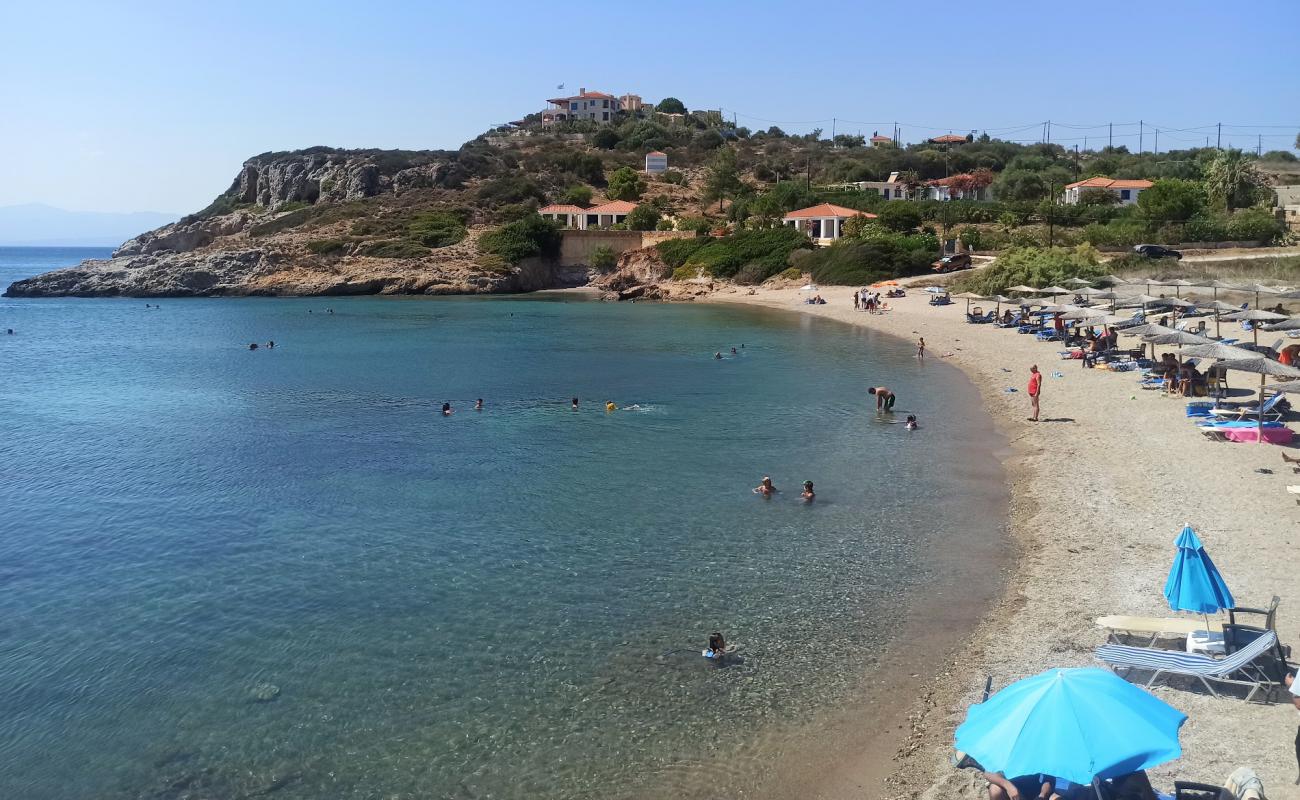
(1271, 435)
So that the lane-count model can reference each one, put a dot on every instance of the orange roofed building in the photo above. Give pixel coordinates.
(579, 218)
(824, 222)
(595, 106)
(1126, 190)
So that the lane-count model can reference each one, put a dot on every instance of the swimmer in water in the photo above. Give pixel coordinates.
(733, 352)
(252, 346)
(610, 406)
(765, 488)
(717, 646)
(575, 404)
(270, 345)
(808, 494)
(718, 356)
(478, 404)
(447, 410)
(911, 422)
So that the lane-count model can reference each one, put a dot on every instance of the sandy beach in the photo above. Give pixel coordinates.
(1099, 490)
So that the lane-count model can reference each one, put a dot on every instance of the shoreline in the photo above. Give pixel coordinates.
(1095, 501)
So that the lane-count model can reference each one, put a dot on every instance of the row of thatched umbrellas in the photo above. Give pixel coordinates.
(1190, 345)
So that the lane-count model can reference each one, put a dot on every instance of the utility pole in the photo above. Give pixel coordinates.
(1157, 148)
(1049, 131)
(1051, 201)
(1076, 159)
(1110, 134)
(1139, 137)
(833, 133)
(1218, 138)
(1259, 145)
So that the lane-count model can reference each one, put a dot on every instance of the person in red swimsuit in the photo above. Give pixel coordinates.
(1035, 389)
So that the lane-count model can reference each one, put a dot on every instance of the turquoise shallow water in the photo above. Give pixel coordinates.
(507, 603)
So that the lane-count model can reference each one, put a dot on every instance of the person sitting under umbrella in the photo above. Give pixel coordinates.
(1025, 787)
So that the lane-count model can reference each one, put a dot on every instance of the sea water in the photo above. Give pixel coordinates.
(226, 571)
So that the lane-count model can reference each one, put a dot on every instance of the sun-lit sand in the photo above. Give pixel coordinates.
(1099, 490)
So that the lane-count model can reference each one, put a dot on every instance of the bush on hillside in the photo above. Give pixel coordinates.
(672, 176)
(674, 252)
(643, 218)
(857, 262)
(1033, 266)
(900, 216)
(329, 247)
(605, 139)
(768, 249)
(577, 196)
(532, 236)
(436, 229)
(393, 248)
(971, 237)
(284, 222)
(513, 188)
(664, 225)
(603, 258)
(625, 184)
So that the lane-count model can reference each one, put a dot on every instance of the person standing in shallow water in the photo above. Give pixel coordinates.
(575, 404)
(920, 348)
(1035, 390)
(447, 410)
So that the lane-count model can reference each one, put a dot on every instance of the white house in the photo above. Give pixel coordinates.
(582, 219)
(656, 162)
(951, 188)
(596, 106)
(824, 223)
(1126, 190)
(890, 189)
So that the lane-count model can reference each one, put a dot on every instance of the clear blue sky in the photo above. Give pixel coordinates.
(152, 106)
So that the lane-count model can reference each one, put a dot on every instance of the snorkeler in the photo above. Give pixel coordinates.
(575, 404)
(447, 410)
(911, 422)
(765, 488)
(478, 404)
(718, 356)
(808, 494)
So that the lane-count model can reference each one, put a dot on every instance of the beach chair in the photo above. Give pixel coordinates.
(1269, 614)
(1154, 627)
(1270, 409)
(1187, 790)
(1253, 666)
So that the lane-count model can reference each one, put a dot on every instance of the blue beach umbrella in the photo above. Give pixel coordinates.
(1194, 582)
(1077, 724)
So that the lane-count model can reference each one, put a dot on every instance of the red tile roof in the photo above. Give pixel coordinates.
(881, 139)
(615, 207)
(948, 138)
(584, 96)
(1102, 182)
(656, 153)
(827, 210)
(561, 208)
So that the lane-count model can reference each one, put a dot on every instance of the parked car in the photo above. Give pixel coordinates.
(1156, 251)
(953, 263)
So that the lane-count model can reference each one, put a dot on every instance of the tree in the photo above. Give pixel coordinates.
(625, 184)
(1232, 179)
(577, 195)
(1020, 184)
(900, 216)
(671, 105)
(643, 218)
(1171, 200)
(1099, 197)
(723, 178)
(605, 139)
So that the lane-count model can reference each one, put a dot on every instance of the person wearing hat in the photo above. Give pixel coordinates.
(808, 494)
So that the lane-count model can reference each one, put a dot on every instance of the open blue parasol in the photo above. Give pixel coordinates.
(1077, 724)
(1194, 582)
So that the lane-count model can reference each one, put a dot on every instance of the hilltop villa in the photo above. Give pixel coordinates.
(579, 218)
(596, 106)
(824, 223)
(1126, 191)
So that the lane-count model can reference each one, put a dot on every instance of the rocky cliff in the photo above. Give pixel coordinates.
(323, 221)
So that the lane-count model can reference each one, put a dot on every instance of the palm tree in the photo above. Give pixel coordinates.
(1232, 178)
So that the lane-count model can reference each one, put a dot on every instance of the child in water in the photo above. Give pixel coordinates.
(717, 646)
(765, 487)
(447, 410)
(610, 406)
(808, 494)
(911, 422)
(478, 404)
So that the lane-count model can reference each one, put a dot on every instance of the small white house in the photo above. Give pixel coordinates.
(891, 189)
(1126, 191)
(579, 218)
(823, 223)
(656, 162)
(567, 215)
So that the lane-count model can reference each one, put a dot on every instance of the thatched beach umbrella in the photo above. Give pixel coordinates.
(1218, 351)
(1288, 324)
(1178, 285)
(1254, 315)
(1265, 368)
(969, 296)
(1112, 280)
(1055, 290)
(1022, 288)
(1218, 307)
(1179, 338)
(1148, 329)
(1259, 289)
(1216, 285)
(1285, 387)
(1076, 282)
(999, 300)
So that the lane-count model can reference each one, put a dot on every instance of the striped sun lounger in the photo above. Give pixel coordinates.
(1238, 668)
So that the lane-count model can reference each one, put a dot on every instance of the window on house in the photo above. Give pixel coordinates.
(604, 104)
(573, 106)
(604, 115)
(1125, 194)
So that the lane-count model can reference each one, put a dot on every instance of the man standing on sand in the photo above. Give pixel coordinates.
(1035, 389)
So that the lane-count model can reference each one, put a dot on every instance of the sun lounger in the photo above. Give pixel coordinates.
(1270, 409)
(1155, 627)
(1254, 666)
(1271, 433)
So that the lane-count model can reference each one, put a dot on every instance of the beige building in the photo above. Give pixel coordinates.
(631, 103)
(594, 106)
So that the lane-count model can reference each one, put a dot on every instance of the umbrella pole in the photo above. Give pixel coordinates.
(1259, 429)
(1217, 335)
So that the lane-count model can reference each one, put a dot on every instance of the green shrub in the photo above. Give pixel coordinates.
(625, 184)
(329, 247)
(514, 211)
(642, 218)
(856, 262)
(672, 176)
(697, 225)
(490, 262)
(971, 237)
(511, 188)
(791, 274)
(664, 225)
(674, 252)
(292, 205)
(515, 241)
(687, 273)
(578, 195)
(900, 216)
(770, 249)
(605, 139)
(604, 258)
(436, 229)
(1034, 266)
(393, 248)
(1254, 224)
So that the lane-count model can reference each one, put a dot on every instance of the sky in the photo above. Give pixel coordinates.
(146, 106)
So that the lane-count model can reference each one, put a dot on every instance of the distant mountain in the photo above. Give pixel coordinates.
(37, 225)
